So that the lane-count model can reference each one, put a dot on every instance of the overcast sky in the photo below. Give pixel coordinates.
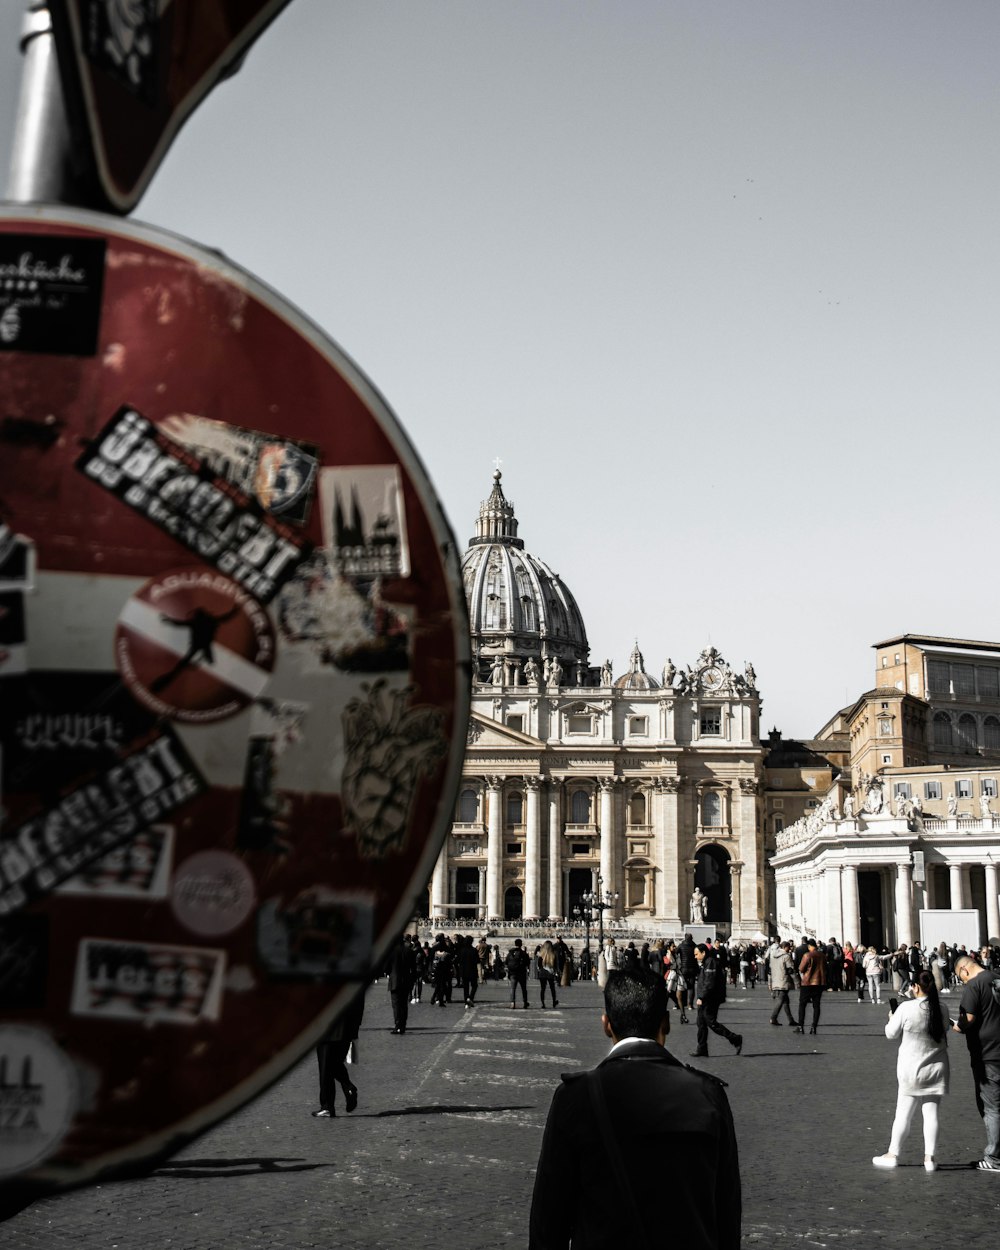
(716, 281)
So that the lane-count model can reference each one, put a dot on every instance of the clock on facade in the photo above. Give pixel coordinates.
(711, 678)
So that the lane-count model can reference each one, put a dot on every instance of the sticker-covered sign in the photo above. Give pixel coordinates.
(233, 692)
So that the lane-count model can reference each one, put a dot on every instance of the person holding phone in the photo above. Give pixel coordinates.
(921, 1023)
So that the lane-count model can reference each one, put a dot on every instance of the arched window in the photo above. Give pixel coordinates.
(942, 729)
(580, 808)
(637, 809)
(468, 807)
(991, 733)
(711, 808)
(779, 823)
(968, 738)
(515, 808)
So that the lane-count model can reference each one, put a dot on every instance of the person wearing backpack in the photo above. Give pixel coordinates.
(517, 972)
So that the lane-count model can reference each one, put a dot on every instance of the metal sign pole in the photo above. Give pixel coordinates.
(41, 169)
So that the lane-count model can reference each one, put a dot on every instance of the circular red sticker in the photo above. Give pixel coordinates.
(234, 659)
(195, 647)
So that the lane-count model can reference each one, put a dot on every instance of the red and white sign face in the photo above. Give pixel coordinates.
(134, 70)
(233, 687)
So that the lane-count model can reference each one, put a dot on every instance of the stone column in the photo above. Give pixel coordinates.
(494, 848)
(439, 884)
(904, 905)
(852, 906)
(735, 878)
(834, 904)
(957, 894)
(482, 892)
(753, 910)
(532, 852)
(608, 870)
(992, 905)
(555, 849)
(670, 891)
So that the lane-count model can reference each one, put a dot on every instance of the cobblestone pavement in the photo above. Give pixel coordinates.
(444, 1142)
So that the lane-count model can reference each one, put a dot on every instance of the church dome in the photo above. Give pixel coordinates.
(518, 608)
(636, 678)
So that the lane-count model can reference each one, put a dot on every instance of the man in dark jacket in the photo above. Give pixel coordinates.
(710, 993)
(517, 971)
(640, 1104)
(402, 969)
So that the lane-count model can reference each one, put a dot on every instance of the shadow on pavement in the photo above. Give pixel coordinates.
(445, 1109)
(200, 1169)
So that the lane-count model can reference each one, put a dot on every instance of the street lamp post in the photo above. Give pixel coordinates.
(599, 901)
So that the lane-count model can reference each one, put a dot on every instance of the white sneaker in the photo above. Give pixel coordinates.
(929, 1164)
(884, 1161)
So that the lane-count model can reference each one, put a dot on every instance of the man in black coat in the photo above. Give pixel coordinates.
(639, 1105)
(402, 969)
(710, 993)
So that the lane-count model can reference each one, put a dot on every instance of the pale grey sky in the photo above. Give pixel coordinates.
(716, 280)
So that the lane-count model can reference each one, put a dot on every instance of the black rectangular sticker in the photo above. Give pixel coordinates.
(176, 490)
(144, 786)
(50, 293)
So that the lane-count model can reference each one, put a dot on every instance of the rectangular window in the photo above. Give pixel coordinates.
(938, 677)
(886, 759)
(638, 725)
(988, 785)
(579, 723)
(581, 848)
(901, 789)
(778, 803)
(514, 848)
(964, 678)
(932, 789)
(963, 789)
(988, 682)
(516, 721)
(711, 722)
(791, 896)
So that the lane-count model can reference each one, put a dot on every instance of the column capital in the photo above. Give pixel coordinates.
(495, 782)
(531, 783)
(607, 784)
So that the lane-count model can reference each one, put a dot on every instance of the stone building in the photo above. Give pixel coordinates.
(914, 823)
(576, 781)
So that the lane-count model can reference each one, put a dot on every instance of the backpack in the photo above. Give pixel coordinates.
(516, 959)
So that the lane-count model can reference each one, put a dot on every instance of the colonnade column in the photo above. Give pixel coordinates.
(607, 785)
(992, 906)
(439, 884)
(669, 891)
(904, 906)
(494, 849)
(532, 852)
(957, 894)
(852, 906)
(482, 892)
(834, 904)
(555, 850)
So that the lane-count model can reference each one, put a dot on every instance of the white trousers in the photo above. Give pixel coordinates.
(905, 1107)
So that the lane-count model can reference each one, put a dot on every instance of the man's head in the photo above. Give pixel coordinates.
(811, 943)
(700, 951)
(517, 942)
(967, 968)
(635, 1005)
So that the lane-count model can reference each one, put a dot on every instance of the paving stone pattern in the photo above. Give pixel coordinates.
(442, 1147)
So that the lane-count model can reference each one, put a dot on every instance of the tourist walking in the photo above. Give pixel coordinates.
(922, 1025)
(812, 982)
(872, 965)
(710, 993)
(517, 972)
(782, 982)
(547, 968)
(331, 1055)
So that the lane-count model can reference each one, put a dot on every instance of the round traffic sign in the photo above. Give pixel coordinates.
(233, 685)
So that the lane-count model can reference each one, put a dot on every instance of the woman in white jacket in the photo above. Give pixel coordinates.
(922, 1024)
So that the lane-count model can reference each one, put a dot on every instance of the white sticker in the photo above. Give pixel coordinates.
(152, 983)
(38, 1097)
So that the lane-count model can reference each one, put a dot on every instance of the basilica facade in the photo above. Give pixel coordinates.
(638, 787)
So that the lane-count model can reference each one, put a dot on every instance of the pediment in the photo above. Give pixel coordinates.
(484, 732)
